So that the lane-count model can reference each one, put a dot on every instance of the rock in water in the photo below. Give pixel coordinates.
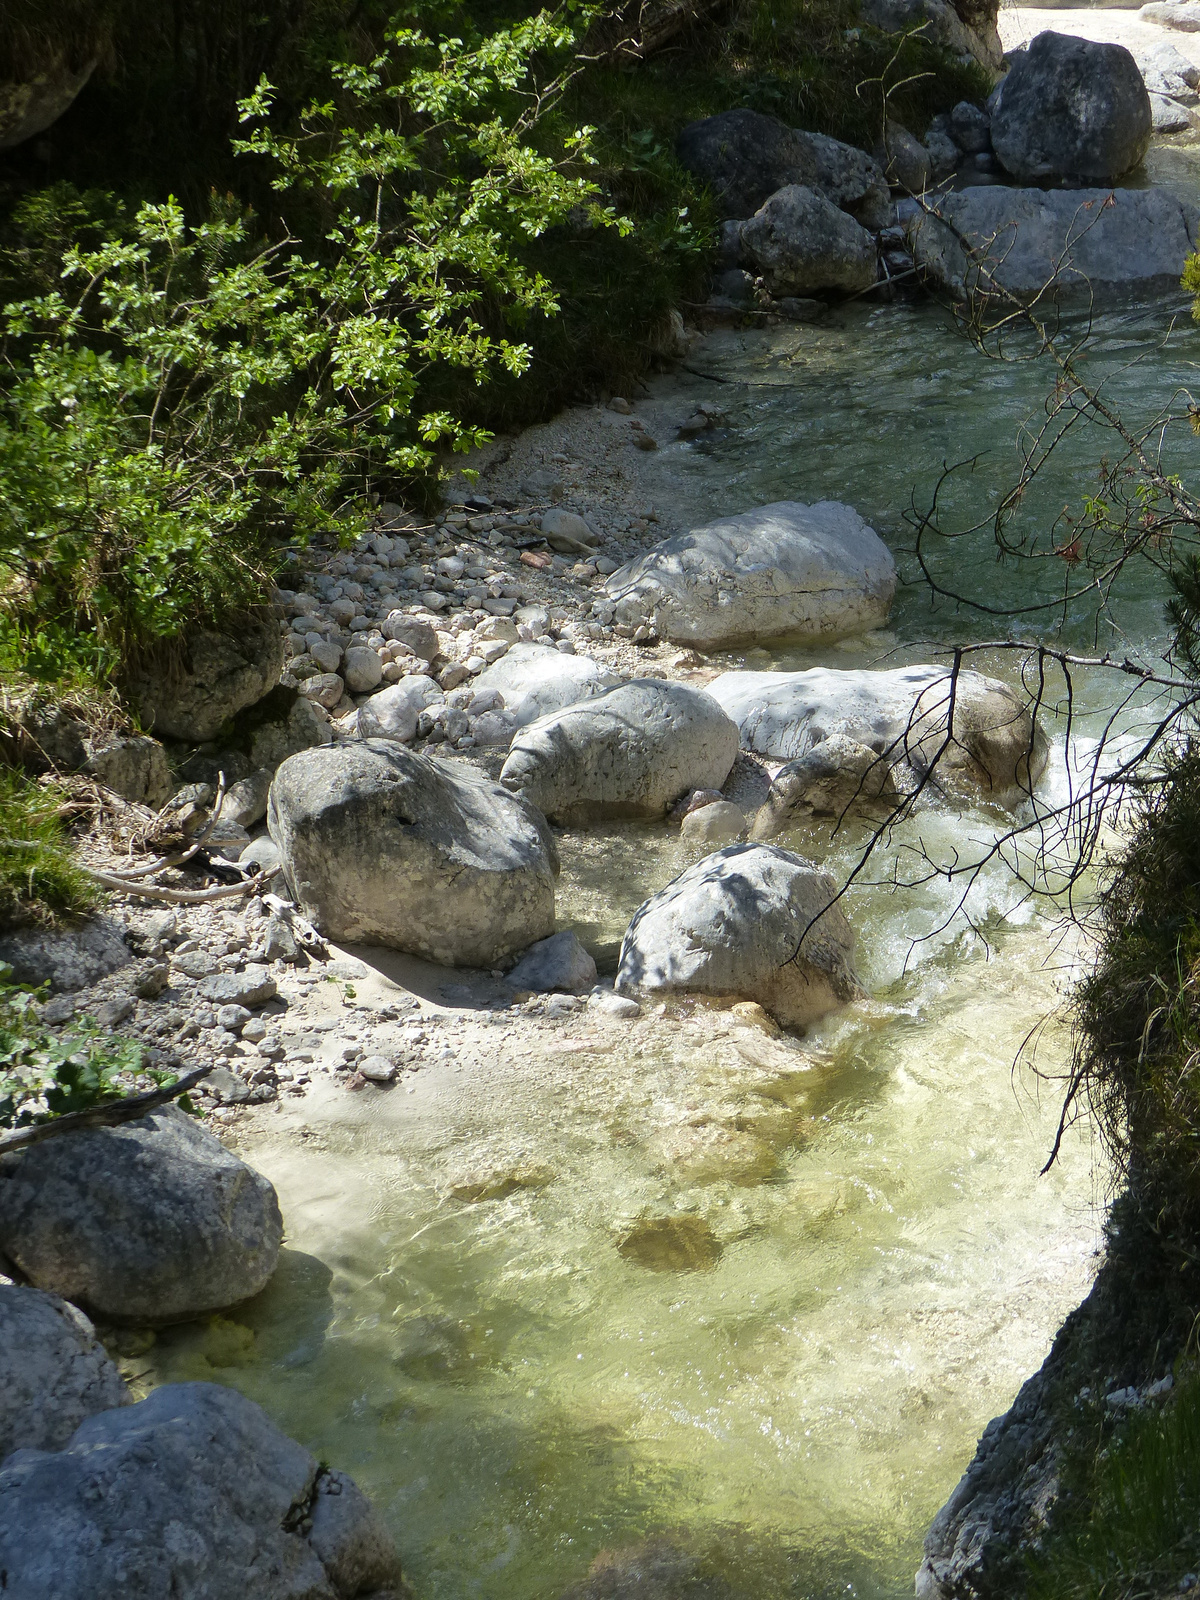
(152, 1221)
(53, 1371)
(671, 1244)
(192, 693)
(1071, 111)
(535, 679)
(629, 753)
(1089, 240)
(557, 963)
(802, 244)
(901, 715)
(787, 569)
(191, 1493)
(751, 920)
(384, 846)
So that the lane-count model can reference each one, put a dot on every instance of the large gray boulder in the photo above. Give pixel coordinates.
(53, 1371)
(802, 244)
(1071, 111)
(281, 725)
(1090, 241)
(133, 766)
(384, 846)
(966, 29)
(191, 690)
(1183, 15)
(750, 920)
(629, 753)
(535, 679)
(746, 156)
(901, 716)
(67, 958)
(29, 104)
(782, 570)
(193, 1493)
(153, 1221)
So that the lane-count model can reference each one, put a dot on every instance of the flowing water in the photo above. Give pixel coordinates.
(866, 1261)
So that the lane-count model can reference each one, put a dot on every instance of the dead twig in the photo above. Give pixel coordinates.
(104, 1116)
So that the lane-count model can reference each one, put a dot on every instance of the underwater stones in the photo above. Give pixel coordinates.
(1086, 240)
(192, 1493)
(536, 679)
(629, 753)
(53, 1371)
(1071, 111)
(782, 570)
(384, 846)
(557, 963)
(661, 1567)
(802, 244)
(213, 676)
(750, 920)
(394, 712)
(671, 1244)
(997, 750)
(147, 1222)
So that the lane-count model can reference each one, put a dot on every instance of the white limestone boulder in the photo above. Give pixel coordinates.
(535, 679)
(782, 570)
(53, 1371)
(750, 920)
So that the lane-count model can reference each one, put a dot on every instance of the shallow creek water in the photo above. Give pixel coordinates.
(881, 1264)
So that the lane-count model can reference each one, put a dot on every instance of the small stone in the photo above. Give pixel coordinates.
(254, 1031)
(362, 670)
(232, 1018)
(327, 656)
(671, 1244)
(253, 987)
(60, 1009)
(645, 442)
(377, 1069)
(113, 1012)
(279, 942)
(326, 688)
(226, 1087)
(457, 673)
(194, 963)
(613, 1005)
(152, 980)
(620, 405)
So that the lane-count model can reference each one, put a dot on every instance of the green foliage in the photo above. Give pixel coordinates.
(43, 1076)
(184, 397)
(1137, 1529)
(39, 880)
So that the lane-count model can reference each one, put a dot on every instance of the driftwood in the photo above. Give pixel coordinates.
(108, 1115)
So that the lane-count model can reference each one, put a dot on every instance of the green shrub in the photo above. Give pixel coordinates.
(40, 881)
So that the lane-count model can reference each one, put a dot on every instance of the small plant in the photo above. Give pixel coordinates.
(43, 1075)
(40, 881)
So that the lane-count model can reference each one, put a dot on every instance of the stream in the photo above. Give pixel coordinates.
(884, 1264)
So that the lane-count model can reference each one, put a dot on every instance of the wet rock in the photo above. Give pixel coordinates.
(781, 570)
(836, 776)
(662, 1567)
(749, 920)
(716, 824)
(671, 1244)
(996, 752)
(192, 1493)
(207, 678)
(252, 987)
(70, 960)
(628, 753)
(559, 962)
(1071, 111)
(133, 766)
(1089, 241)
(706, 1152)
(802, 244)
(384, 846)
(393, 713)
(499, 1184)
(536, 679)
(53, 1371)
(147, 1222)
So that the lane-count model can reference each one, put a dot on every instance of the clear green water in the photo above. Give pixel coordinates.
(517, 1393)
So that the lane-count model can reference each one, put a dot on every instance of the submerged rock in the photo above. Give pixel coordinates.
(384, 846)
(671, 1244)
(535, 679)
(1085, 240)
(1071, 111)
(191, 1493)
(151, 1221)
(750, 920)
(629, 753)
(900, 717)
(53, 1371)
(781, 570)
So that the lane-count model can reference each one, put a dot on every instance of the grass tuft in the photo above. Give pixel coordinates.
(40, 882)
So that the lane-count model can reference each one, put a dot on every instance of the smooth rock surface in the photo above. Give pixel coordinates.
(716, 824)
(383, 846)
(192, 694)
(900, 715)
(393, 712)
(1183, 15)
(1085, 240)
(557, 963)
(192, 1493)
(629, 753)
(535, 679)
(151, 1221)
(803, 244)
(1071, 111)
(750, 920)
(787, 569)
(53, 1371)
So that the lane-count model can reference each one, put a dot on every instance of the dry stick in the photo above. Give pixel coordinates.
(104, 1116)
(181, 897)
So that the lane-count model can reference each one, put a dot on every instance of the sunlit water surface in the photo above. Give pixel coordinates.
(885, 1264)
